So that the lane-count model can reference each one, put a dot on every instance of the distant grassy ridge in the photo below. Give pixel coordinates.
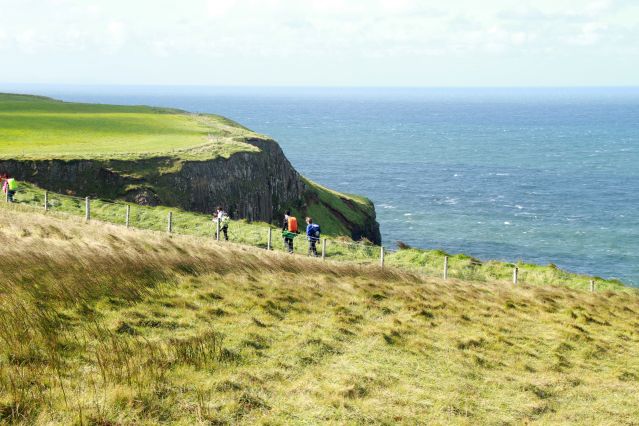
(100, 325)
(145, 146)
(429, 262)
(39, 128)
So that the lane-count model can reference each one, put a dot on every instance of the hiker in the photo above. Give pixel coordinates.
(223, 218)
(11, 187)
(289, 230)
(313, 235)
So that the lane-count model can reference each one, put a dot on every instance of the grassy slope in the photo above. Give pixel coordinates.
(42, 128)
(255, 234)
(113, 326)
(353, 208)
(189, 223)
(468, 268)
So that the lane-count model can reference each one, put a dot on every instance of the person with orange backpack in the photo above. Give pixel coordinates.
(289, 230)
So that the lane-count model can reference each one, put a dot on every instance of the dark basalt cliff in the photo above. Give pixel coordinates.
(251, 185)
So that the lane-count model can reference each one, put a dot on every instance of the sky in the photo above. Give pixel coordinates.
(438, 43)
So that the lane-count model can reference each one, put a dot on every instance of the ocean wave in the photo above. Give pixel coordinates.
(449, 201)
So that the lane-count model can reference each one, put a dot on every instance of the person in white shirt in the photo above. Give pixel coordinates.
(223, 218)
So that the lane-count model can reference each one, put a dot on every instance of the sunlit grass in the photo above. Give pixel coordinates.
(104, 325)
(42, 128)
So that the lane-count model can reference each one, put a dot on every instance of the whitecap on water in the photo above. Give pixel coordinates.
(507, 223)
(450, 201)
(408, 214)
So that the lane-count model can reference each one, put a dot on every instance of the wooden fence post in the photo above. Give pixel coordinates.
(323, 248)
(269, 242)
(592, 285)
(515, 275)
(87, 209)
(127, 220)
(46, 201)
(381, 256)
(445, 267)
(169, 226)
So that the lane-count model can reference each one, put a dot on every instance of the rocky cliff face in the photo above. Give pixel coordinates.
(255, 186)
(251, 185)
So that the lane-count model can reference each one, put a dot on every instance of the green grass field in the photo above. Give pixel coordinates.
(42, 128)
(101, 325)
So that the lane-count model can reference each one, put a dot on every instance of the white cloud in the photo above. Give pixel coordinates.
(590, 34)
(116, 35)
(219, 8)
(598, 7)
(321, 32)
(27, 40)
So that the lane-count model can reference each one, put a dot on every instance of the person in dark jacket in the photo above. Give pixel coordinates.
(313, 235)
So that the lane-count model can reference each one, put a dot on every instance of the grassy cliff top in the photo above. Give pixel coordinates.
(116, 326)
(34, 127)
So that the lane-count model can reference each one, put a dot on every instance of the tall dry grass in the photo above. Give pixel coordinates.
(102, 325)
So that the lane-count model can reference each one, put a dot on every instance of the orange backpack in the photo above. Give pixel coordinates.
(292, 224)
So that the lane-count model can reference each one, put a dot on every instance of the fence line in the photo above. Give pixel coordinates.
(146, 217)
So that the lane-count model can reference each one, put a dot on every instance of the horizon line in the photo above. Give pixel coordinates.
(296, 86)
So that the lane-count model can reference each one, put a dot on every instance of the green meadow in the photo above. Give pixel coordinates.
(42, 128)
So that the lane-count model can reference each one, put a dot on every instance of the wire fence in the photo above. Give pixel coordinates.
(262, 235)
(160, 218)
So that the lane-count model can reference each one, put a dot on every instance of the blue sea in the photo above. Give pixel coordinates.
(540, 175)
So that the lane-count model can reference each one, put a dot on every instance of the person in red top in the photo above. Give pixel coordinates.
(5, 183)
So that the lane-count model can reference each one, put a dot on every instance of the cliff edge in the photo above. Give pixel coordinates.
(159, 156)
